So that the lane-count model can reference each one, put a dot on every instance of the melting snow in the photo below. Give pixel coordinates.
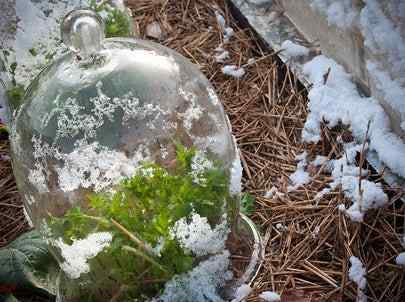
(233, 70)
(241, 293)
(221, 57)
(300, 176)
(294, 50)
(400, 259)
(270, 296)
(227, 31)
(357, 274)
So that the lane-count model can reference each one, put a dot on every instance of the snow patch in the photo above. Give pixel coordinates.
(338, 100)
(341, 13)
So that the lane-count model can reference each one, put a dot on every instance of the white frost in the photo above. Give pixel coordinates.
(77, 254)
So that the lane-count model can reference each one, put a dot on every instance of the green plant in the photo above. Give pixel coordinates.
(117, 23)
(33, 52)
(27, 267)
(140, 216)
(15, 95)
(247, 202)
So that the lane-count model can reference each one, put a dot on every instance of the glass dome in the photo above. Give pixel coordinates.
(127, 165)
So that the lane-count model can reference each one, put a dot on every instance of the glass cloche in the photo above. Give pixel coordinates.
(126, 163)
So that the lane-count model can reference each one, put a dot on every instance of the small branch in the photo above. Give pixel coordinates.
(146, 257)
(98, 219)
(361, 162)
(131, 236)
(326, 76)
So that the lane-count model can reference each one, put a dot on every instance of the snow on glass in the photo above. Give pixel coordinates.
(36, 41)
(159, 136)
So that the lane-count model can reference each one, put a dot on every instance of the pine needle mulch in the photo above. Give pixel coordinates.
(12, 219)
(310, 241)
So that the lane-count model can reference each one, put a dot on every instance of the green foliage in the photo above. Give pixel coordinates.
(140, 215)
(26, 266)
(247, 204)
(15, 95)
(33, 52)
(3, 130)
(117, 23)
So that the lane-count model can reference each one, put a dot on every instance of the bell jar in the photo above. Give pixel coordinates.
(126, 163)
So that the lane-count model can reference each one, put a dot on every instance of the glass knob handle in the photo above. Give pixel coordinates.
(82, 30)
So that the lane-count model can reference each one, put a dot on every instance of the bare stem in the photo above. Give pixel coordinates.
(361, 162)
(146, 257)
(132, 237)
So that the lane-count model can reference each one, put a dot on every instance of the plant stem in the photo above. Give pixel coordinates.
(98, 219)
(131, 236)
(146, 257)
